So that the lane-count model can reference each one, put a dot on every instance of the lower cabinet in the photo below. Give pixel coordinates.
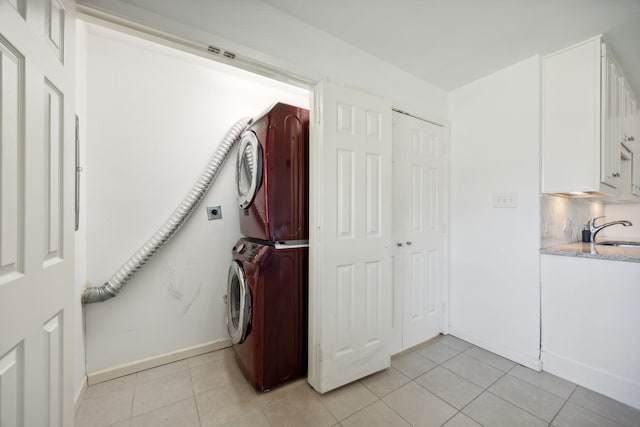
(590, 318)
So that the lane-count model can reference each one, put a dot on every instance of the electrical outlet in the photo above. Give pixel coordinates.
(214, 212)
(505, 200)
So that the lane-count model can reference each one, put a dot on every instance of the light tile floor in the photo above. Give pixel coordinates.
(446, 381)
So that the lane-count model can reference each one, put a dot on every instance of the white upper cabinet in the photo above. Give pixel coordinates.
(589, 129)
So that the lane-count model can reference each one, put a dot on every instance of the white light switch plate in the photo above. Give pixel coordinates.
(505, 200)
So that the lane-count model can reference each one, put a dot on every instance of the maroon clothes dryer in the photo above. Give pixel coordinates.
(272, 175)
(267, 311)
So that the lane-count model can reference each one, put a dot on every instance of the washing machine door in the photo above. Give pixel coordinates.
(249, 169)
(238, 303)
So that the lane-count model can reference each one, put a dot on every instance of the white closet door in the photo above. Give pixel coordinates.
(351, 295)
(419, 162)
(36, 212)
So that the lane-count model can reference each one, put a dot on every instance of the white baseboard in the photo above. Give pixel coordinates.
(507, 352)
(152, 362)
(611, 385)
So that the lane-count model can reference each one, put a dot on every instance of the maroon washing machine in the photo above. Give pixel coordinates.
(272, 175)
(267, 311)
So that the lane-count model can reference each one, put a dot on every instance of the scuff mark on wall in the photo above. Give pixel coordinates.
(175, 290)
(193, 299)
(174, 293)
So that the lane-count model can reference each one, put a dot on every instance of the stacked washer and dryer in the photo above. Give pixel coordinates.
(267, 289)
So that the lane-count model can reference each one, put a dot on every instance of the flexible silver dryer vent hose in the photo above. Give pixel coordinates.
(113, 286)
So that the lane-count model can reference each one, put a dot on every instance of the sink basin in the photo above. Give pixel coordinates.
(620, 244)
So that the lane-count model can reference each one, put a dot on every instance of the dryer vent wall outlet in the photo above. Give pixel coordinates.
(214, 212)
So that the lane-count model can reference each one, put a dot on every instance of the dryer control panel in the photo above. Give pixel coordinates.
(247, 250)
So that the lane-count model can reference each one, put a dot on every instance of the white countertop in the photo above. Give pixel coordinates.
(594, 250)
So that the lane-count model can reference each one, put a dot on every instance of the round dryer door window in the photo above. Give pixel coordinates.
(249, 170)
(238, 304)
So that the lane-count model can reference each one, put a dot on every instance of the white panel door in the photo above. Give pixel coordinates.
(36, 212)
(419, 187)
(351, 295)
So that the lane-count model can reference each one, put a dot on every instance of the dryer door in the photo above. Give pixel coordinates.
(239, 304)
(249, 169)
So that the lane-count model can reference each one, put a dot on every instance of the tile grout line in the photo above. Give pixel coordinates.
(560, 410)
(317, 396)
(511, 403)
(488, 364)
(523, 409)
(133, 397)
(587, 409)
(432, 393)
(459, 352)
(396, 412)
(362, 409)
(444, 361)
(542, 388)
(438, 397)
(479, 394)
(193, 389)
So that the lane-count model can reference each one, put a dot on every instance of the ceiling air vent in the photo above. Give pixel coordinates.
(219, 51)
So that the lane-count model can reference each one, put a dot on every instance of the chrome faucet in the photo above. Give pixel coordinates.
(593, 229)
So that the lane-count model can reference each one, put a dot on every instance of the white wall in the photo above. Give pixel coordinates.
(256, 30)
(155, 116)
(495, 140)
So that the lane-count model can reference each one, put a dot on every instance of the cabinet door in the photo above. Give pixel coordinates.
(629, 106)
(635, 163)
(612, 96)
(574, 118)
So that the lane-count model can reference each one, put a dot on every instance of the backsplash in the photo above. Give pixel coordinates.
(563, 218)
(626, 211)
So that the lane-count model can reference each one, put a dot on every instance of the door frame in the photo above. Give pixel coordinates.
(118, 23)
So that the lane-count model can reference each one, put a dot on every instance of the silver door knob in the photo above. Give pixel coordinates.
(399, 244)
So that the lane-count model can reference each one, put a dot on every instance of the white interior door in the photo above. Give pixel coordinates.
(36, 212)
(351, 296)
(419, 187)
